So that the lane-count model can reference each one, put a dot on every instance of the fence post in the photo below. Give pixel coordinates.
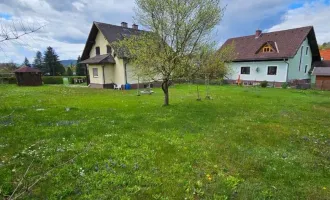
(322, 85)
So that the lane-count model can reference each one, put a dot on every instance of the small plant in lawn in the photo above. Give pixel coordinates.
(264, 84)
(285, 85)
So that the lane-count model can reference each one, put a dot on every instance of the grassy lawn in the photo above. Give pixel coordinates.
(246, 143)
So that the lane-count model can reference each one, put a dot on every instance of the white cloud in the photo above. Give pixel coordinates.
(315, 14)
(243, 17)
(67, 24)
(78, 5)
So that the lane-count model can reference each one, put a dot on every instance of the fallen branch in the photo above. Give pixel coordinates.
(52, 169)
(7, 115)
(20, 182)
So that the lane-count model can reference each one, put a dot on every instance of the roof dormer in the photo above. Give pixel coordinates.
(268, 47)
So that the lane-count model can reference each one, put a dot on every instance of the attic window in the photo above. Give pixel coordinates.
(108, 49)
(267, 48)
(97, 50)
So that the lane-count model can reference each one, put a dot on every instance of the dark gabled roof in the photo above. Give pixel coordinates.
(100, 59)
(111, 33)
(286, 42)
(26, 69)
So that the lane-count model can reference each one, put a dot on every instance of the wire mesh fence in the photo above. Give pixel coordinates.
(7, 78)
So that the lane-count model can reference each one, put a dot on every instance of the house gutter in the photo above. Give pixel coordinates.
(125, 68)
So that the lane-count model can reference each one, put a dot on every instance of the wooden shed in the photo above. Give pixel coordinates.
(321, 75)
(27, 76)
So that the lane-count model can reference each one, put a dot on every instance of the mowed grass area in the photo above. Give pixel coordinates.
(246, 143)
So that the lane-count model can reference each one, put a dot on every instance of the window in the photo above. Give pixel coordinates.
(272, 70)
(245, 70)
(301, 53)
(307, 50)
(108, 49)
(95, 72)
(267, 48)
(97, 49)
(306, 66)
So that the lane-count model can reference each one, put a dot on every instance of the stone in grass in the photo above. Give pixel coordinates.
(68, 109)
(284, 155)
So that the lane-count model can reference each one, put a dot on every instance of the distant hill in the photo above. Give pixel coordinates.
(67, 63)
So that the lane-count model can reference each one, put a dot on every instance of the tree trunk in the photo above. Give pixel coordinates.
(165, 85)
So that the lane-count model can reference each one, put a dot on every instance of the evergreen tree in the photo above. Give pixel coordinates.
(69, 72)
(38, 62)
(26, 62)
(80, 69)
(52, 63)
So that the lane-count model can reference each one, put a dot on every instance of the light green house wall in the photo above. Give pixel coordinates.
(306, 59)
(286, 70)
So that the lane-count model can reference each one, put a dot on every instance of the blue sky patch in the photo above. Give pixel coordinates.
(5, 16)
(296, 5)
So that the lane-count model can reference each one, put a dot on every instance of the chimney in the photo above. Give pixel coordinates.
(136, 27)
(124, 24)
(258, 33)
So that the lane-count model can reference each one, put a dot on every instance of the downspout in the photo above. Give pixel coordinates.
(125, 68)
(103, 76)
(287, 69)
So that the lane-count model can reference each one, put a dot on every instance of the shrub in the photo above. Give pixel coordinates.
(285, 85)
(52, 79)
(8, 80)
(264, 84)
(12, 80)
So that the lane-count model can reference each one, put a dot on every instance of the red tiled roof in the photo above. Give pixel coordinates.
(24, 69)
(325, 54)
(287, 42)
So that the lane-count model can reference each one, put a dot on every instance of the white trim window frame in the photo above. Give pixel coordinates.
(275, 71)
(249, 70)
(95, 72)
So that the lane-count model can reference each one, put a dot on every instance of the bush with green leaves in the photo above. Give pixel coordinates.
(285, 85)
(264, 84)
(52, 79)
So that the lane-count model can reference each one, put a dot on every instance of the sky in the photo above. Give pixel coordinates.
(66, 23)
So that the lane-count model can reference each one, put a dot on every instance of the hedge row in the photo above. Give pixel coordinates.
(52, 79)
(59, 79)
(9, 80)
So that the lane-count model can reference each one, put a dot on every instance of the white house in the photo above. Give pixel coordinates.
(277, 57)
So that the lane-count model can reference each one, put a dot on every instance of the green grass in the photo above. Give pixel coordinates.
(246, 143)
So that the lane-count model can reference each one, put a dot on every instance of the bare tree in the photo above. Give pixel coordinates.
(15, 30)
(180, 29)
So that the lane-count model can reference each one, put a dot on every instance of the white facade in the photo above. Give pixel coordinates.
(287, 70)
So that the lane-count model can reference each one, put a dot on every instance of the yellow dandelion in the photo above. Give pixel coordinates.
(324, 188)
